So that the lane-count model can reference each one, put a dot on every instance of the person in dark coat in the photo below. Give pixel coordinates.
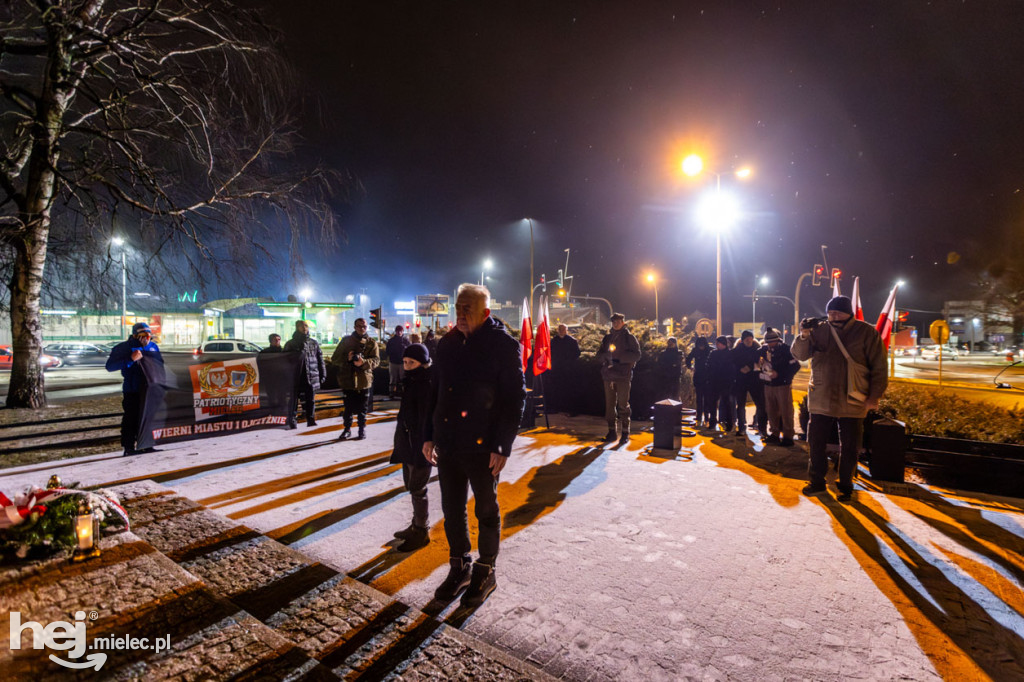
(721, 375)
(312, 371)
(745, 357)
(410, 429)
(395, 346)
(356, 357)
(618, 353)
(275, 344)
(477, 399)
(670, 367)
(697, 361)
(430, 341)
(777, 369)
(565, 353)
(128, 357)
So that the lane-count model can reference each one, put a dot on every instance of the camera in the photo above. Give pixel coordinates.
(355, 357)
(812, 322)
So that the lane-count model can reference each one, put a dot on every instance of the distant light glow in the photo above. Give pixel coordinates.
(117, 241)
(693, 165)
(488, 264)
(718, 211)
(744, 173)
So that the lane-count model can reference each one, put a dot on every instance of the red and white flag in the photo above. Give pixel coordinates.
(885, 319)
(526, 336)
(858, 310)
(542, 344)
(835, 287)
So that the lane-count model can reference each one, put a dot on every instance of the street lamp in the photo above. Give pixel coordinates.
(974, 330)
(530, 221)
(753, 298)
(719, 212)
(488, 264)
(652, 279)
(124, 283)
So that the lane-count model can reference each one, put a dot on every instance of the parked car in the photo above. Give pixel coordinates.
(932, 353)
(226, 347)
(7, 359)
(75, 353)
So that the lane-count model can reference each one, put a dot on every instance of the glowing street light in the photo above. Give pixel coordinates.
(718, 212)
(530, 221)
(117, 241)
(652, 279)
(488, 265)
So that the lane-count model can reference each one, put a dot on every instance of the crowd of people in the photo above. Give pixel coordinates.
(463, 395)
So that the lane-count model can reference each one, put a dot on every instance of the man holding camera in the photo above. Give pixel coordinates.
(618, 353)
(829, 396)
(356, 357)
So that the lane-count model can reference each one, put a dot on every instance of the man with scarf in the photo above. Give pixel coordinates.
(130, 356)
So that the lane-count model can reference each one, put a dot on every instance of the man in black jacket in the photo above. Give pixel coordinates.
(477, 398)
(745, 357)
(778, 367)
(618, 353)
(312, 371)
(565, 353)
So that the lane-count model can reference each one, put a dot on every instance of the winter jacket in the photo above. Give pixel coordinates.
(697, 360)
(413, 415)
(780, 360)
(746, 357)
(564, 352)
(120, 358)
(617, 365)
(312, 369)
(350, 377)
(826, 391)
(396, 345)
(273, 349)
(670, 363)
(721, 370)
(477, 393)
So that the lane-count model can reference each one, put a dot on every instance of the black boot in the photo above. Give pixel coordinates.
(420, 538)
(610, 436)
(346, 434)
(362, 433)
(310, 422)
(406, 532)
(458, 579)
(481, 584)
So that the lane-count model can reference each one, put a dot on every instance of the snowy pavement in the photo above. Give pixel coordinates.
(617, 565)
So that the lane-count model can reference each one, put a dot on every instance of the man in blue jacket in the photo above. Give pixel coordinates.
(129, 357)
(477, 397)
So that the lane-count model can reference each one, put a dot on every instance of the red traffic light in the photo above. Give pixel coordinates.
(818, 274)
(836, 274)
(902, 315)
(407, 325)
(417, 324)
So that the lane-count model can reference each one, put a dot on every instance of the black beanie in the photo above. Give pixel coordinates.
(746, 333)
(841, 304)
(722, 340)
(418, 352)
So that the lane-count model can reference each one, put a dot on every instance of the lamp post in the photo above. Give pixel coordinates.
(753, 300)
(488, 264)
(530, 221)
(720, 214)
(653, 280)
(124, 284)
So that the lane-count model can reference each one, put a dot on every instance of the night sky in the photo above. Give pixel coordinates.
(892, 132)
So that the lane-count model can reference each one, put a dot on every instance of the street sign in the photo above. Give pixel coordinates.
(705, 327)
(939, 331)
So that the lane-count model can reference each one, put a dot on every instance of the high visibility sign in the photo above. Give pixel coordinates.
(939, 331)
(705, 327)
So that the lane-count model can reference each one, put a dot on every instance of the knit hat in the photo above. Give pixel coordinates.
(772, 335)
(722, 340)
(141, 327)
(418, 352)
(618, 316)
(746, 334)
(840, 304)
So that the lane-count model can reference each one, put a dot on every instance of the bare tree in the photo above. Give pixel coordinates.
(172, 115)
(1003, 284)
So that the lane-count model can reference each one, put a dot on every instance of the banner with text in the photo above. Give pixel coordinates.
(188, 398)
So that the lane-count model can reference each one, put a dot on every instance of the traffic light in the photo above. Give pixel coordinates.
(407, 326)
(417, 324)
(818, 275)
(543, 284)
(836, 274)
(376, 321)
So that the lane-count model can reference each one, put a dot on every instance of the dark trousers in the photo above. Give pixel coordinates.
(132, 406)
(850, 431)
(456, 474)
(616, 404)
(705, 402)
(726, 407)
(416, 479)
(756, 390)
(355, 403)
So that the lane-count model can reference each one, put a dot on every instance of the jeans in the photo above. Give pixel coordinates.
(416, 479)
(456, 474)
(850, 431)
(616, 403)
(355, 403)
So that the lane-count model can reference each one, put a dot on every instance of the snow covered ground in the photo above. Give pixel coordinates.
(617, 565)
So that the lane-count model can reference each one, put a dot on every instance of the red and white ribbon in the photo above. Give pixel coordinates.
(35, 499)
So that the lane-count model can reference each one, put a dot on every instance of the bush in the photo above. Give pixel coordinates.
(930, 412)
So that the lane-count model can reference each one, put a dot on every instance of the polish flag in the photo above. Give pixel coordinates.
(542, 344)
(885, 319)
(858, 310)
(526, 336)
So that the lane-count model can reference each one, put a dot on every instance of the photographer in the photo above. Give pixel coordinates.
(829, 400)
(618, 353)
(356, 357)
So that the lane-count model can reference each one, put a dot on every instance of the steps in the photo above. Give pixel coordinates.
(237, 605)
